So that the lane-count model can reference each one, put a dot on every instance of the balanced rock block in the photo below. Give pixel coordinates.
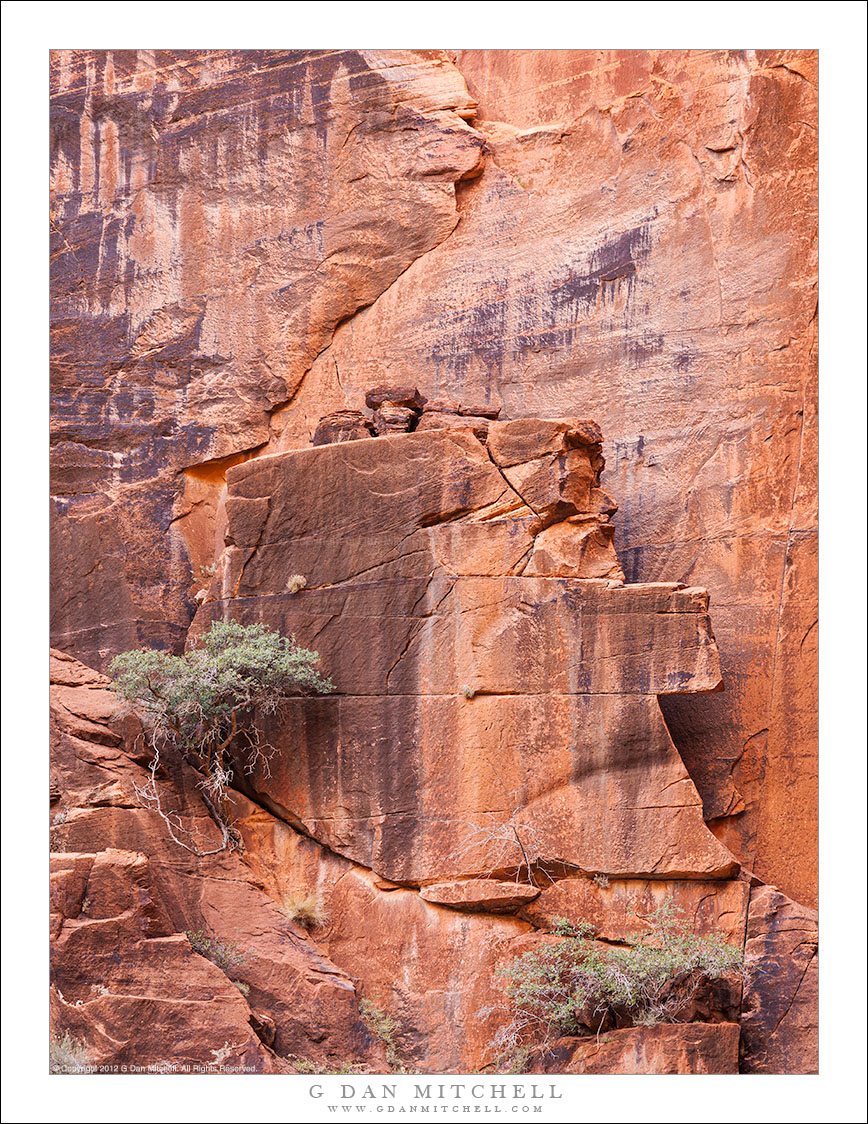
(406, 396)
(343, 425)
(479, 410)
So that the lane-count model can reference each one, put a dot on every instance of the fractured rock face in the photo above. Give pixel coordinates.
(779, 1031)
(215, 215)
(129, 986)
(244, 241)
(611, 906)
(494, 741)
(485, 720)
(693, 1048)
(630, 248)
(429, 965)
(126, 981)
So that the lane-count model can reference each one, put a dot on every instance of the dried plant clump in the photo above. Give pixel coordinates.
(227, 955)
(67, 1054)
(306, 909)
(304, 1065)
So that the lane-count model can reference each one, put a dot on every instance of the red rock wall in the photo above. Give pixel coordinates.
(243, 242)
(125, 979)
(461, 675)
(128, 985)
(637, 245)
(215, 215)
(645, 235)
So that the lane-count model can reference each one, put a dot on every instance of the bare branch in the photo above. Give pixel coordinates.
(149, 797)
(499, 841)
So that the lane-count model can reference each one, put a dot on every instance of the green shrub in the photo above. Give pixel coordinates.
(206, 703)
(575, 985)
(203, 697)
(385, 1028)
(228, 957)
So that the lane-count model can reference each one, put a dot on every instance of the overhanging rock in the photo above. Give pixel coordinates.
(496, 680)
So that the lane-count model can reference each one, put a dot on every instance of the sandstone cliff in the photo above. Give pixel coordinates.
(492, 757)
(245, 242)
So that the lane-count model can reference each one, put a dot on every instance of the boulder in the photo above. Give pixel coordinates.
(394, 419)
(405, 397)
(343, 425)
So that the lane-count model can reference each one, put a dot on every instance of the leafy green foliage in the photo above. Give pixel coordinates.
(206, 703)
(197, 697)
(575, 985)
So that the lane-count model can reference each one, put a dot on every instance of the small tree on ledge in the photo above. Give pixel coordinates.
(205, 703)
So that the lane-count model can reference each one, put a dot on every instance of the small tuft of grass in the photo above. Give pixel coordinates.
(306, 909)
(296, 583)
